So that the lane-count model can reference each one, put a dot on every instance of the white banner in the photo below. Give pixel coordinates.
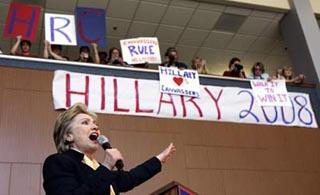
(179, 82)
(60, 29)
(141, 50)
(270, 93)
(116, 95)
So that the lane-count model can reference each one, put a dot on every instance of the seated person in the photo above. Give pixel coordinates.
(258, 72)
(115, 57)
(171, 59)
(103, 56)
(235, 69)
(199, 65)
(287, 73)
(84, 54)
(53, 52)
(25, 46)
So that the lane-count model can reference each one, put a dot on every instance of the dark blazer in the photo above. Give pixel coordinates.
(65, 174)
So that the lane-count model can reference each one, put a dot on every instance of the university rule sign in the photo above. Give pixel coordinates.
(116, 95)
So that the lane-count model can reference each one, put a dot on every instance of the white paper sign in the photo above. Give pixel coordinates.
(139, 97)
(60, 29)
(179, 82)
(141, 50)
(271, 93)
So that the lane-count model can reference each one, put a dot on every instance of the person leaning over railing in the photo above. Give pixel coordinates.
(235, 69)
(199, 65)
(25, 47)
(172, 59)
(53, 52)
(84, 54)
(258, 72)
(115, 57)
(287, 73)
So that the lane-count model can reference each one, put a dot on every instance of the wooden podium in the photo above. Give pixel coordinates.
(174, 188)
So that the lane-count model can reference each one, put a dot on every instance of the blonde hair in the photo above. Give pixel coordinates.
(62, 125)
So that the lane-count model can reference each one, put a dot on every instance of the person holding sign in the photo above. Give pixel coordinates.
(25, 46)
(84, 54)
(171, 60)
(73, 169)
(53, 51)
(115, 57)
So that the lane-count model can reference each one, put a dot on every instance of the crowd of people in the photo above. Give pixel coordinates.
(171, 59)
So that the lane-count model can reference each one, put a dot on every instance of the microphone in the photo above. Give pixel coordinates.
(104, 142)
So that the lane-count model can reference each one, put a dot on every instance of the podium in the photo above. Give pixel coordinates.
(174, 188)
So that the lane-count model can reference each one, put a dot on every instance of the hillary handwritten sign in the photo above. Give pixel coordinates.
(22, 19)
(141, 50)
(60, 29)
(179, 82)
(270, 93)
(116, 95)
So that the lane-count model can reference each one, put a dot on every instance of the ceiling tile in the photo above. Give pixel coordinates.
(117, 27)
(122, 8)
(56, 5)
(185, 3)
(254, 26)
(276, 61)
(272, 30)
(238, 11)
(212, 7)
(218, 40)
(150, 12)
(101, 4)
(186, 53)
(142, 29)
(262, 45)
(278, 17)
(212, 56)
(169, 34)
(263, 14)
(193, 37)
(165, 2)
(164, 46)
(241, 42)
(204, 19)
(178, 16)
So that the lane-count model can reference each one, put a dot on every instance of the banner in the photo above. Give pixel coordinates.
(60, 29)
(116, 95)
(141, 50)
(22, 19)
(270, 93)
(91, 26)
(179, 82)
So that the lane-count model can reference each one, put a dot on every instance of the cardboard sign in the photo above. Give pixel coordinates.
(270, 93)
(141, 50)
(91, 26)
(139, 97)
(22, 19)
(60, 29)
(179, 82)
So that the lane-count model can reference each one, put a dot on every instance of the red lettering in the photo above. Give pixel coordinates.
(167, 102)
(193, 102)
(69, 91)
(103, 94)
(215, 100)
(138, 109)
(115, 103)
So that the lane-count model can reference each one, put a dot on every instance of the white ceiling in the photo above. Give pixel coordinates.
(188, 25)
